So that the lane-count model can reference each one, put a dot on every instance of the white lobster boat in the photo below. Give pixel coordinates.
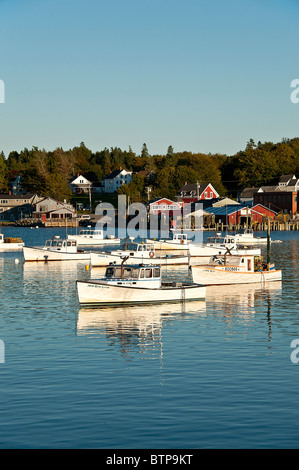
(10, 243)
(89, 237)
(230, 269)
(178, 242)
(56, 249)
(135, 284)
(220, 246)
(138, 253)
(247, 237)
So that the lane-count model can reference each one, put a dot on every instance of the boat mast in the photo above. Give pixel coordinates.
(268, 244)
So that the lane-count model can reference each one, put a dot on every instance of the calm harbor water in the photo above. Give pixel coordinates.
(213, 374)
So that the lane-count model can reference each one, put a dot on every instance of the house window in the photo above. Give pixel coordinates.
(206, 195)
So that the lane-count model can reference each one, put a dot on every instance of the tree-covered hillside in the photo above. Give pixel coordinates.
(48, 173)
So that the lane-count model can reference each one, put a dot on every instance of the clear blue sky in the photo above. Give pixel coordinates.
(200, 75)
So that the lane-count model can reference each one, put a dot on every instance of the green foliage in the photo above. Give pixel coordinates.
(3, 174)
(49, 173)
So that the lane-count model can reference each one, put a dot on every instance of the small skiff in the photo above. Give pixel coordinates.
(10, 243)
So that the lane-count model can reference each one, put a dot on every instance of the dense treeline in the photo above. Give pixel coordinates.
(48, 173)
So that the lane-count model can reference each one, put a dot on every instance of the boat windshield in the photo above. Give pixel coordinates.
(149, 272)
(128, 272)
(216, 240)
(180, 236)
(90, 232)
(132, 272)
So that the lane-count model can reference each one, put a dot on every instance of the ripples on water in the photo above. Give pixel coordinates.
(213, 374)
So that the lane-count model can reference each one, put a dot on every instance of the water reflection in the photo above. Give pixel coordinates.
(240, 298)
(244, 301)
(137, 327)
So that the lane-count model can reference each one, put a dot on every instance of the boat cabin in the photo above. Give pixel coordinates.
(246, 263)
(138, 249)
(89, 233)
(138, 275)
(59, 244)
(180, 237)
(221, 241)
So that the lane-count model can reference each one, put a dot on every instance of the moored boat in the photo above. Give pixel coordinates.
(247, 237)
(139, 253)
(179, 241)
(56, 249)
(10, 243)
(229, 269)
(90, 237)
(135, 284)
(219, 245)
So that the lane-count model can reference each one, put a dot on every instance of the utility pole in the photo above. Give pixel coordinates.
(89, 190)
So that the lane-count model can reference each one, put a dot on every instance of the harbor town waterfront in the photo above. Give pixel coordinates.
(217, 373)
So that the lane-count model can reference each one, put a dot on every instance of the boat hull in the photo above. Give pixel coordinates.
(103, 259)
(96, 294)
(39, 254)
(251, 241)
(90, 241)
(168, 245)
(209, 275)
(11, 246)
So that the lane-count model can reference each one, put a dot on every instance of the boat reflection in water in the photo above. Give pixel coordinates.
(135, 327)
(238, 297)
(244, 301)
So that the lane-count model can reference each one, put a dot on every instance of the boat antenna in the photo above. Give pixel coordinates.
(268, 244)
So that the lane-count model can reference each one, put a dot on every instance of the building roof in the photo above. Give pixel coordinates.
(192, 187)
(17, 196)
(286, 178)
(225, 210)
(292, 182)
(269, 189)
(153, 201)
(73, 181)
(248, 192)
(115, 173)
(226, 201)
